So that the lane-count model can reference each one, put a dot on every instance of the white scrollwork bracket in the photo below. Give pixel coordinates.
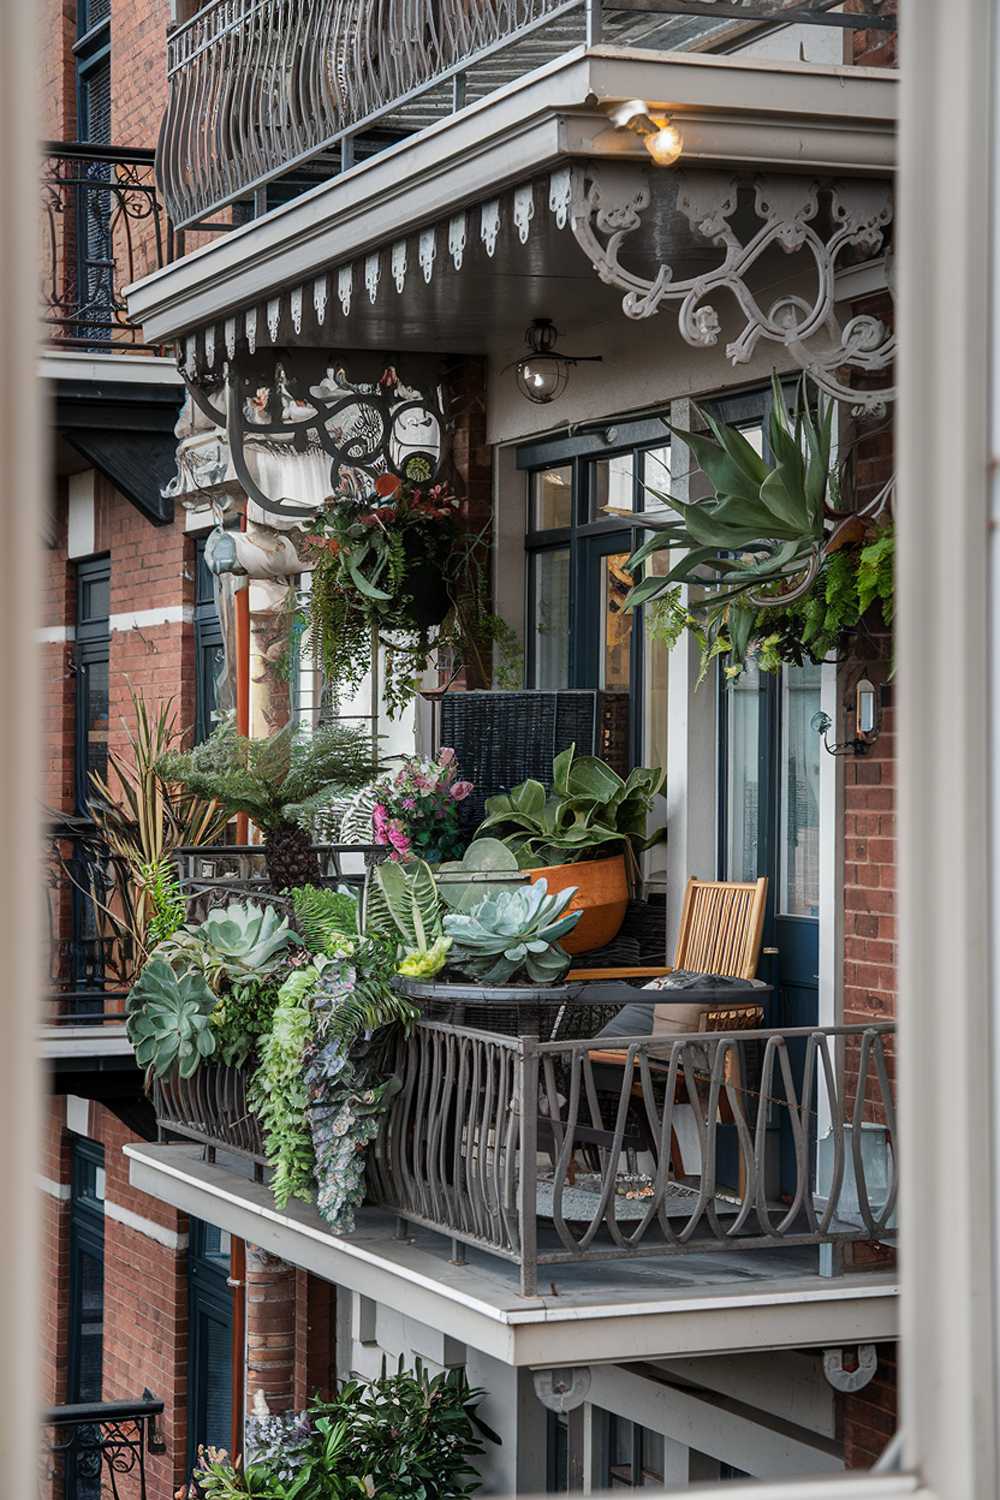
(746, 220)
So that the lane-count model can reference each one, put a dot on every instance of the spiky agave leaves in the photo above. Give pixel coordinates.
(762, 531)
(513, 930)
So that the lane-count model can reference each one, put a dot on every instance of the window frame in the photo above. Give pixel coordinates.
(210, 1298)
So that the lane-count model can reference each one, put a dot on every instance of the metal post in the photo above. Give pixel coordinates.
(593, 22)
(528, 1185)
(346, 153)
(458, 92)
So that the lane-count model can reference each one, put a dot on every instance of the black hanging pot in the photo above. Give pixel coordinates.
(428, 598)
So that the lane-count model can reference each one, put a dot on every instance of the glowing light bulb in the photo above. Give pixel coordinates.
(664, 145)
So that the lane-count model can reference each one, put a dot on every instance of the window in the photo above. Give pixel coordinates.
(210, 1335)
(585, 502)
(94, 207)
(210, 657)
(635, 1456)
(93, 638)
(85, 1354)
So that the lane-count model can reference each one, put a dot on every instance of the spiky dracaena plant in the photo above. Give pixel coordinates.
(141, 815)
(281, 783)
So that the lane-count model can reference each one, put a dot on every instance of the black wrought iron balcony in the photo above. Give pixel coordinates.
(99, 1448)
(258, 88)
(103, 226)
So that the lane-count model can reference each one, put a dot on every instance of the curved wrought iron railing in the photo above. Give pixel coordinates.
(99, 1448)
(546, 1153)
(103, 226)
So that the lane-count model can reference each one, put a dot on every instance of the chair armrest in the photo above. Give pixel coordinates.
(651, 972)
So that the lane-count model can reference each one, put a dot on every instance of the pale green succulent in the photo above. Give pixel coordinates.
(487, 866)
(168, 1020)
(511, 930)
(239, 942)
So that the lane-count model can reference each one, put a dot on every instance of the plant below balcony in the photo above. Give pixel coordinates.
(397, 566)
(589, 812)
(513, 931)
(777, 568)
(407, 1436)
(281, 783)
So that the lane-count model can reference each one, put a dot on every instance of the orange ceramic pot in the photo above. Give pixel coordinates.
(602, 896)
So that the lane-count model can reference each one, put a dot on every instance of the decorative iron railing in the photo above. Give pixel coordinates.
(258, 88)
(99, 1449)
(93, 953)
(546, 1153)
(103, 226)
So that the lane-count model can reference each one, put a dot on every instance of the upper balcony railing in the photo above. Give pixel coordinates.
(260, 87)
(103, 226)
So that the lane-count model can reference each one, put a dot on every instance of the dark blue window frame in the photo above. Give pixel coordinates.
(210, 1333)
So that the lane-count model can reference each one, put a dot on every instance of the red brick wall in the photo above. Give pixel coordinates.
(874, 48)
(315, 1338)
(57, 69)
(271, 1320)
(867, 1419)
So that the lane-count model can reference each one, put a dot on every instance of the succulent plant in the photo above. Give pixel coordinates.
(239, 942)
(510, 930)
(169, 1020)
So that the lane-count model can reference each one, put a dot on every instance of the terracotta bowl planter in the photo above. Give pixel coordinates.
(602, 896)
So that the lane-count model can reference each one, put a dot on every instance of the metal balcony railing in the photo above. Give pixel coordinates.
(547, 1153)
(99, 1448)
(103, 226)
(258, 88)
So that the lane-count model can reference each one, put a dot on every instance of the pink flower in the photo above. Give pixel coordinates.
(461, 790)
(380, 823)
(399, 841)
(409, 803)
(446, 756)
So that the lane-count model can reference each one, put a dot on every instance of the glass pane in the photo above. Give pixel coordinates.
(552, 499)
(550, 618)
(90, 1272)
(96, 709)
(652, 1459)
(216, 1243)
(616, 625)
(800, 752)
(742, 700)
(215, 1346)
(95, 600)
(655, 476)
(611, 484)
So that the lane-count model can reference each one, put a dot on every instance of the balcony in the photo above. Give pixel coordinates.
(103, 225)
(538, 1180)
(263, 88)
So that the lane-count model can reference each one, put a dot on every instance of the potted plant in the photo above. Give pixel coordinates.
(281, 783)
(416, 810)
(780, 570)
(585, 832)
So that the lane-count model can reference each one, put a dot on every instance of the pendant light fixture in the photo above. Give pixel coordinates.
(542, 374)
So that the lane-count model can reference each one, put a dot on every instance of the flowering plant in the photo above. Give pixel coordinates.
(417, 812)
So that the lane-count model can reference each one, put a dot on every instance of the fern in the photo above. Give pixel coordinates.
(320, 915)
(166, 901)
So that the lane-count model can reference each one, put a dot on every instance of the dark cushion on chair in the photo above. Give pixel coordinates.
(632, 1020)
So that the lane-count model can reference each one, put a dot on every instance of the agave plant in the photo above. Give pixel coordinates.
(760, 538)
(510, 930)
(169, 1020)
(239, 942)
(403, 906)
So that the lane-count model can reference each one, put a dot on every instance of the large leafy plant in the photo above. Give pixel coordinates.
(281, 783)
(590, 812)
(404, 908)
(169, 1020)
(513, 930)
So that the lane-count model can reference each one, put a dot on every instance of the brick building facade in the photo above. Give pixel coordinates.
(290, 1349)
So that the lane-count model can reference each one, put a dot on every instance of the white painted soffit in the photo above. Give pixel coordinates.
(734, 112)
(105, 369)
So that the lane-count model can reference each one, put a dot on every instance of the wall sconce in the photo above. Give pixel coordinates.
(659, 134)
(867, 725)
(543, 374)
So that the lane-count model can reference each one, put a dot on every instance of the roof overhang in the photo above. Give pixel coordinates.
(616, 1311)
(736, 113)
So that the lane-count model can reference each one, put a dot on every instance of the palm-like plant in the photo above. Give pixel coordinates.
(281, 783)
(759, 540)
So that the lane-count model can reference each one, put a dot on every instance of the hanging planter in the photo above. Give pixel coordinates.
(779, 570)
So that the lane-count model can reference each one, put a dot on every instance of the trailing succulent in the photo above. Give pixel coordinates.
(589, 812)
(278, 1094)
(513, 930)
(240, 943)
(169, 1020)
